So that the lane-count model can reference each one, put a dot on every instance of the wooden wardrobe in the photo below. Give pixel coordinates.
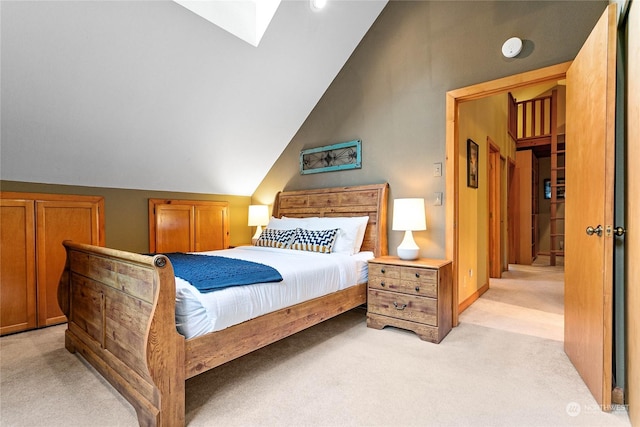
(188, 225)
(32, 229)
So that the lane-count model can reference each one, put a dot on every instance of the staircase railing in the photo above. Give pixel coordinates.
(531, 119)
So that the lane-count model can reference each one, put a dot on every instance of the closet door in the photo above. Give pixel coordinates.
(212, 225)
(56, 221)
(174, 228)
(17, 266)
(188, 225)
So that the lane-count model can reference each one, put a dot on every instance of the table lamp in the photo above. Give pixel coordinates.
(258, 216)
(408, 216)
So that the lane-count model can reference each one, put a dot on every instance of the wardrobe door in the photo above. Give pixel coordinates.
(211, 227)
(174, 228)
(188, 225)
(17, 266)
(59, 220)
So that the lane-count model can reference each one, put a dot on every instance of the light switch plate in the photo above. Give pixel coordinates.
(437, 200)
(437, 169)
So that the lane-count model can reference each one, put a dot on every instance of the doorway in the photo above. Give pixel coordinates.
(453, 101)
(528, 214)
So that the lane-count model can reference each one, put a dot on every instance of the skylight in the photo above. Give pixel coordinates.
(245, 19)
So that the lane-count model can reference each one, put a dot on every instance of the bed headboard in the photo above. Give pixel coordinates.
(358, 200)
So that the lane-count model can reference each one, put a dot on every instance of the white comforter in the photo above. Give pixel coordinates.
(306, 275)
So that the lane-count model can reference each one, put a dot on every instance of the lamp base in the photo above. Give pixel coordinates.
(256, 236)
(408, 249)
(408, 254)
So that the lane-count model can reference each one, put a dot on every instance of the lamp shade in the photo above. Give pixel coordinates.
(408, 214)
(258, 215)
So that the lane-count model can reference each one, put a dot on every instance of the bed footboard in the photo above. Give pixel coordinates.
(120, 308)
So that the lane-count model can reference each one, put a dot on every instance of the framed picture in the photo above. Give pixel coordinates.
(345, 155)
(547, 188)
(559, 188)
(472, 164)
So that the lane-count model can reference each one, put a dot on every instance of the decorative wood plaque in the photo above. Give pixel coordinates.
(345, 155)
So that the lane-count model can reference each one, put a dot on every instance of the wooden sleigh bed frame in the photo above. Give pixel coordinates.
(120, 308)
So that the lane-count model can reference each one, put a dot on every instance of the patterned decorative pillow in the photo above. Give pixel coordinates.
(276, 238)
(314, 240)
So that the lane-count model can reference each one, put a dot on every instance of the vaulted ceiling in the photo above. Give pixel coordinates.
(148, 95)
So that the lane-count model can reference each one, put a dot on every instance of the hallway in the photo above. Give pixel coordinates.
(529, 299)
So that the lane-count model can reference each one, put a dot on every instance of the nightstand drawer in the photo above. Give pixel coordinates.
(414, 281)
(420, 281)
(402, 306)
(384, 270)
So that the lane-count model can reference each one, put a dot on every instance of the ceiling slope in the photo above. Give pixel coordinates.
(147, 95)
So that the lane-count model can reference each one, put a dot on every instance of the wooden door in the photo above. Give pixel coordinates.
(632, 238)
(504, 212)
(512, 212)
(590, 126)
(526, 170)
(59, 220)
(17, 266)
(495, 211)
(211, 227)
(174, 228)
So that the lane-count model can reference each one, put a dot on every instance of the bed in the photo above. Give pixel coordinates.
(121, 309)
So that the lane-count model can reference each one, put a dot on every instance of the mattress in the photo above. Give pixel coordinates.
(306, 275)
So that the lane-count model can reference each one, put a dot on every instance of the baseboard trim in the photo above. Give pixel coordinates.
(472, 298)
(617, 396)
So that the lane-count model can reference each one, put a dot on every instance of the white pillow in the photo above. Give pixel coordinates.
(285, 223)
(350, 234)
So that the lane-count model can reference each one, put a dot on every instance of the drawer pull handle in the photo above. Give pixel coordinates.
(399, 306)
(382, 271)
(382, 284)
(418, 275)
(417, 288)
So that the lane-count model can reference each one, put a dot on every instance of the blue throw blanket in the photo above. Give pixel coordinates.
(211, 273)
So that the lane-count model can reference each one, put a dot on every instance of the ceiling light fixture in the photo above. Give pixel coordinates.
(317, 5)
(512, 47)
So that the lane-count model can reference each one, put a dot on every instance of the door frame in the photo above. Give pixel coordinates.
(494, 195)
(452, 185)
(632, 222)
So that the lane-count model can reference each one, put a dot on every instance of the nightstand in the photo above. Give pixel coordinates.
(414, 295)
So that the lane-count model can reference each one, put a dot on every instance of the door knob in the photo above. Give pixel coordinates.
(619, 231)
(591, 231)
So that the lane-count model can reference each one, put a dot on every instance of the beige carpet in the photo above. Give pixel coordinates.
(339, 373)
(527, 300)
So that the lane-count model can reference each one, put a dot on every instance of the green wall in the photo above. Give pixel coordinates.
(126, 211)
